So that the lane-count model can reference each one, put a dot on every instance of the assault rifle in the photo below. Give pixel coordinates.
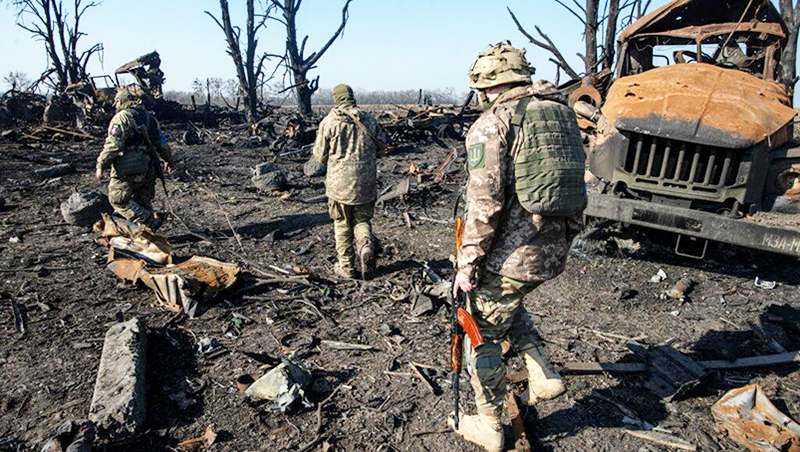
(154, 155)
(460, 322)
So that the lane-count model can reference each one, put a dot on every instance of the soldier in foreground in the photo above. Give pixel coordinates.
(525, 198)
(132, 151)
(349, 141)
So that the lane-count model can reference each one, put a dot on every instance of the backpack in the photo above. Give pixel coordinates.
(550, 165)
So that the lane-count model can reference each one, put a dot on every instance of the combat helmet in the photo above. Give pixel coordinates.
(127, 98)
(498, 65)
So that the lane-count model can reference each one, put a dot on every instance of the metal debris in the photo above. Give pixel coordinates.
(182, 287)
(748, 417)
(202, 442)
(768, 285)
(127, 239)
(284, 385)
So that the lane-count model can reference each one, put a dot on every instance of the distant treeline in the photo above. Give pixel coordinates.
(223, 94)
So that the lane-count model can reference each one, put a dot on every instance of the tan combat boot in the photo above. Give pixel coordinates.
(367, 256)
(343, 274)
(544, 383)
(484, 430)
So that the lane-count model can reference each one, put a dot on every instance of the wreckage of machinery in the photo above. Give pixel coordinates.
(699, 142)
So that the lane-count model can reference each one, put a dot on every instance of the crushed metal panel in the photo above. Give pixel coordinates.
(699, 103)
(126, 269)
(132, 240)
(748, 417)
(682, 13)
(181, 287)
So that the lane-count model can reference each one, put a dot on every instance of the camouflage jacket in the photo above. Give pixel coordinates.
(125, 135)
(351, 154)
(500, 236)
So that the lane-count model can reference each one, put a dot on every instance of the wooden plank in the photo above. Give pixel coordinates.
(586, 368)
(663, 439)
(753, 361)
(599, 368)
(684, 361)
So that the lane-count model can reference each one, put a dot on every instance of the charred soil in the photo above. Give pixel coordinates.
(56, 274)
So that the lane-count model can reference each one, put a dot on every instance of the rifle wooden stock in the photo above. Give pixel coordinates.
(467, 322)
(468, 325)
(456, 344)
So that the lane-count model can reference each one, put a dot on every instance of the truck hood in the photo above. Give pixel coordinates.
(699, 103)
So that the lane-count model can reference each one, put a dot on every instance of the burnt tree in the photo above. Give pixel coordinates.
(788, 70)
(297, 63)
(248, 70)
(595, 16)
(60, 31)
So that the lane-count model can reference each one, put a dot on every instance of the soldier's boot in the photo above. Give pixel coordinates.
(544, 383)
(343, 274)
(157, 222)
(345, 253)
(366, 248)
(485, 428)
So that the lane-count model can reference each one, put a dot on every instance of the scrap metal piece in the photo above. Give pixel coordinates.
(748, 417)
(181, 287)
(521, 443)
(673, 375)
(131, 240)
(284, 384)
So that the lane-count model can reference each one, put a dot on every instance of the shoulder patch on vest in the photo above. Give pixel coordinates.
(475, 156)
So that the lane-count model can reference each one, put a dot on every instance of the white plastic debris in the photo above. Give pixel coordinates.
(658, 277)
(768, 285)
(284, 385)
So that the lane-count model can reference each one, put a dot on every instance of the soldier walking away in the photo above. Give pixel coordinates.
(133, 150)
(525, 197)
(349, 141)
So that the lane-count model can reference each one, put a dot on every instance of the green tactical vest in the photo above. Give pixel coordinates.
(550, 164)
(135, 158)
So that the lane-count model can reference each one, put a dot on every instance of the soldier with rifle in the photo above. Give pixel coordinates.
(133, 152)
(525, 197)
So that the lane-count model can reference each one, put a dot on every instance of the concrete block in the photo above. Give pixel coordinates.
(118, 403)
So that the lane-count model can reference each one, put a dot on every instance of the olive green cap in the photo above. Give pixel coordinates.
(343, 95)
(123, 95)
(500, 64)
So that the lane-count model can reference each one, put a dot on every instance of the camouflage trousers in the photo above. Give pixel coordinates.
(496, 305)
(132, 197)
(350, 224)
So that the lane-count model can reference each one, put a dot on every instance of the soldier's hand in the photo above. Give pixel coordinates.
(463, 283)
(169, 168)
(98, 173)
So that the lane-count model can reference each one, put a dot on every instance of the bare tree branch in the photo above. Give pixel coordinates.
(549, 46)
(571, 11)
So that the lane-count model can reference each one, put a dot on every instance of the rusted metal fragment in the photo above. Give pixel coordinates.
(748, 417)
(686, 13)
(673, 375)
(182, 287)
(700, 103)
(521, 442)
(126, 269)
(131, 240)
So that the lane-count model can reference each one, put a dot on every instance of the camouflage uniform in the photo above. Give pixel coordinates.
(351, 155)
(506, 249)
(127, 153)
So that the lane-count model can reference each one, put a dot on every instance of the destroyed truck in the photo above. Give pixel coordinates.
(695, 134)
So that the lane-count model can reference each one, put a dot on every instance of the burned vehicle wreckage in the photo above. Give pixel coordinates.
(695, 136)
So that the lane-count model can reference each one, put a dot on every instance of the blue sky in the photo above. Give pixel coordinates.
(388, 44)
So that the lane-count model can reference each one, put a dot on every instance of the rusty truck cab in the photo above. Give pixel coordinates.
(695, 123)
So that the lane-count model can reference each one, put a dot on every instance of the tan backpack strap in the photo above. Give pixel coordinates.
(360, 124)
